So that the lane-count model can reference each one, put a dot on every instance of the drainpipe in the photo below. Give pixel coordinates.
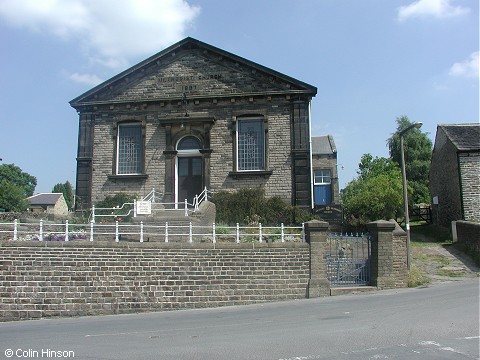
(310, 149)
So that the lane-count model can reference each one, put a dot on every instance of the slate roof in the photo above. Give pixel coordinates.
(465, 137)
(44, 198)
(323, 145)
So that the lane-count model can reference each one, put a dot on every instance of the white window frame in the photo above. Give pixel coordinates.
(140, 159)
(323, 176)
(262, 156)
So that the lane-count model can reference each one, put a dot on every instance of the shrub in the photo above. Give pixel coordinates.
(247, 205)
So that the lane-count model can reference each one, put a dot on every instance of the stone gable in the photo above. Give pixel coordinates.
(198, 72)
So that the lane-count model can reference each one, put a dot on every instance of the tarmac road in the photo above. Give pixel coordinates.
(437, 322)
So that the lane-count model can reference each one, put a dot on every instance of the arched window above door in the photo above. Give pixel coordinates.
(189, 143)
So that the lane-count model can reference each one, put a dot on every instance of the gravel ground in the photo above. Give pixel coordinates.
(442, 263)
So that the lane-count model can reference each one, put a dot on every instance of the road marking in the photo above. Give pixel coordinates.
(442, 348)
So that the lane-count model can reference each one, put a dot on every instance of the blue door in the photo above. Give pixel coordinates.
(322, 194)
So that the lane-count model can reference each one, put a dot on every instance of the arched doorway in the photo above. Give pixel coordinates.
(189, 169)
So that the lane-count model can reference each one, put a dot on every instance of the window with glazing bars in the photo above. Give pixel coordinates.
(130, 149)
(250, 144)
(322, 177)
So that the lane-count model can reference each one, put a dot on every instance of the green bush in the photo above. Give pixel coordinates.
(250, 206)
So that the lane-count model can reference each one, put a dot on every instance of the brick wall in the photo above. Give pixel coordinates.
(71, 279)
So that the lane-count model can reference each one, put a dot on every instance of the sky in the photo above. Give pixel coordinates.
(371, 61)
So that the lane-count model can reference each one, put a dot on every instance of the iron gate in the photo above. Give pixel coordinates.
(348, 259)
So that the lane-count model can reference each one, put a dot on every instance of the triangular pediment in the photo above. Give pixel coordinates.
(194, 69)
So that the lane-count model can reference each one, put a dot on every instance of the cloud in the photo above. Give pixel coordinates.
(436, 8)
(109, 31)
(89, 79)
(467, 68)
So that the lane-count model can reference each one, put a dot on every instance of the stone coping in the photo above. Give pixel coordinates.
(149, 245)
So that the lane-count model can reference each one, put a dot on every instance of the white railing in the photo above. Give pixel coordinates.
(200, 198)
(152, 197)
(117, 231)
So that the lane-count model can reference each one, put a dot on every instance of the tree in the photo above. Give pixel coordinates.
(14, 175)
(15, 186)
(12, 197)
(418, 153)
(375, 194)
(67, 190)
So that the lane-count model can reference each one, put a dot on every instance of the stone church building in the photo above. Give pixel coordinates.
(190, 117)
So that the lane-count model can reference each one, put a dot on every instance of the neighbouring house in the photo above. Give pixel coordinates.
(455, 174)
(190, 117)
(49, 203)
(326, 196)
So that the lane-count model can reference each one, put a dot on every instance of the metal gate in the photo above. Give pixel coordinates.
(348, 259)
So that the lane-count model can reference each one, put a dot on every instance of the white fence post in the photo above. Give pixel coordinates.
(238, 232)
(186, 207)
(66, 230)
(190, 233)
(15, 230)
(91, 229)
(93, 213)
(134, 208)
(206, 193)
(141, 231)
(41, 231)
(260, 234)
(303, 232)
(213, 233)
(283, 233)
(166, 232)
(116, 231)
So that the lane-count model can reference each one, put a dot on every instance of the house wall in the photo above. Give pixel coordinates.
(445, 181)
(470, 184)
(104, 144)
(277, 111)
(203, 89)
(320, 162)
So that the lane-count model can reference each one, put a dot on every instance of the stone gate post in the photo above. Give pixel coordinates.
(388, 261)
(316, 236)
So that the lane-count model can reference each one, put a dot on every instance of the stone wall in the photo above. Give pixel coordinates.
(276, 111)
(71, 279)
(469, 164)
(444, 181)
(45, 279)
(388, 262)
(191, 93)
(399, 263)
(468, 234)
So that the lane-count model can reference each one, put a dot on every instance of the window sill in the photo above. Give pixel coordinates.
(128, 177)
(237, 174)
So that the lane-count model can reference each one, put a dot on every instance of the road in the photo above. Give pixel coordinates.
(438, 322)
